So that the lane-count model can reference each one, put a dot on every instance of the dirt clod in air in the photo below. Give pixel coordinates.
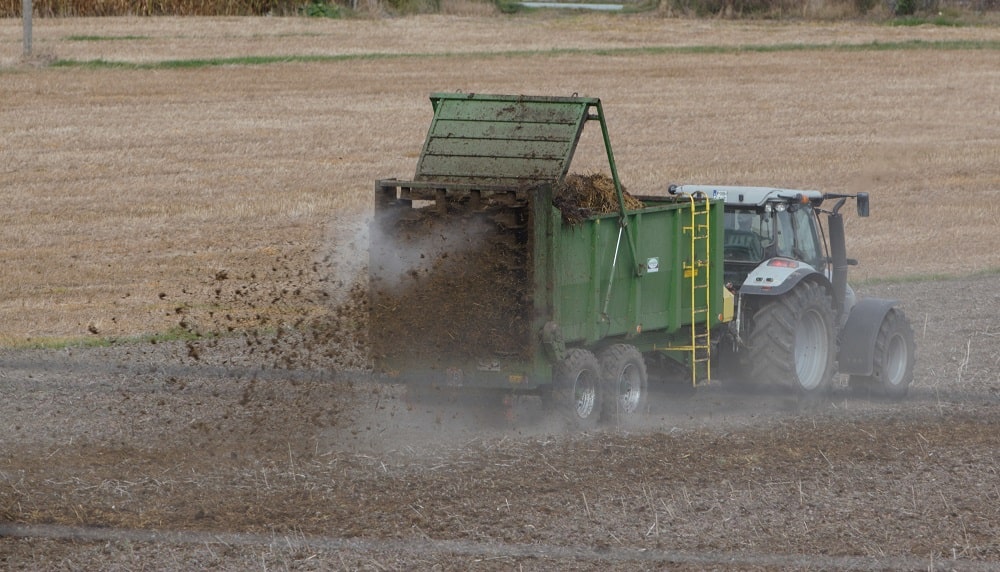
(450, 287)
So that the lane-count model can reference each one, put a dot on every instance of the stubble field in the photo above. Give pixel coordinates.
(155, 197)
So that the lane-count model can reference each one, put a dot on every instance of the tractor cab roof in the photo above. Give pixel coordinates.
(752, 196)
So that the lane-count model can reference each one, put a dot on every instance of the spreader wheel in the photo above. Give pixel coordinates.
(626, 384)
(576, 391)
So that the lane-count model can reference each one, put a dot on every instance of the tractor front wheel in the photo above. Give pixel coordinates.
(895, 355)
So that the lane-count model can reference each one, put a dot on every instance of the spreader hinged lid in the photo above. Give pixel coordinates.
(502, 140)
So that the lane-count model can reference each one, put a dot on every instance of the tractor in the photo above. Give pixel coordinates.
(797, 321)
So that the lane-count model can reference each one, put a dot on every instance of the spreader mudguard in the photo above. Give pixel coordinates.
(857, 339)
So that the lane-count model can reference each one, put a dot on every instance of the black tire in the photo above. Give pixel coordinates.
(895, 355)
(626, 385)
(792, 342)
(576, 391)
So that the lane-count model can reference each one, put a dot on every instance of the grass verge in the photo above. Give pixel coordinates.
(654, 50)
(916, 278)
(63, 342)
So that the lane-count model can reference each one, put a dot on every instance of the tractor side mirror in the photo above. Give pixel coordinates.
(862, 204)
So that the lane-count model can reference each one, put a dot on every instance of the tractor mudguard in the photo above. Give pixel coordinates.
(771, 279)
(857, 339)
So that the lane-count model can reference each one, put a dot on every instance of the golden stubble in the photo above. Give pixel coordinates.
(129, 190)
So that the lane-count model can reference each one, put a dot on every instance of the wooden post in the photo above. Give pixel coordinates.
(26, 10)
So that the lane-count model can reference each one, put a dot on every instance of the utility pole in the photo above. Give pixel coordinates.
(26, 10)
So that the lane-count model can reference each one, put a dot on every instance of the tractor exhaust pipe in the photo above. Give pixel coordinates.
(838, 259)
(838, 246)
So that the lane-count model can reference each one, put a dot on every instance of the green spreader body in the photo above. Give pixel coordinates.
(478, 280)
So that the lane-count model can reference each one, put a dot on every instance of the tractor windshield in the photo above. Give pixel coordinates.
(755, 235)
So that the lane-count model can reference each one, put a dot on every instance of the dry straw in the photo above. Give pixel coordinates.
(123, 184)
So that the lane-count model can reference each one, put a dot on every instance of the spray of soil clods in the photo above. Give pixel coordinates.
(451, 283)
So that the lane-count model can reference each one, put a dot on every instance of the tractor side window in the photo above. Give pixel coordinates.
(796, 236)
(784, 235)
(806, 241)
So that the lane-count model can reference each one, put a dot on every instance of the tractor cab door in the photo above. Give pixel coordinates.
(796, 235)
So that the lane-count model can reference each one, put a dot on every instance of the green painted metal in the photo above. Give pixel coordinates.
(501, 140)
(637, 266)
(656, 303)
(610, 278)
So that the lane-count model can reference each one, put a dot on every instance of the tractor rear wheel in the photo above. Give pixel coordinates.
(792, 342)
(626, 384)
(576, 391)
(895, 355)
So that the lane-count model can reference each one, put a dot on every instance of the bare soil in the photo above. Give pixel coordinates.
(141, 455)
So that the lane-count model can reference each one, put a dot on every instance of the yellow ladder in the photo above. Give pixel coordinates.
(699, 271)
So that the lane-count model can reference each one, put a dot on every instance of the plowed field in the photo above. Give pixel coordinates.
(131, 457)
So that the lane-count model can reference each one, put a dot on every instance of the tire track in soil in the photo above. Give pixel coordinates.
(667, 393)
(421, 547)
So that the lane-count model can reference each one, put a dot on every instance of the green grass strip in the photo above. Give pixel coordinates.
(943, 45)
(52, 343)
(919, 278)
(85, 38)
